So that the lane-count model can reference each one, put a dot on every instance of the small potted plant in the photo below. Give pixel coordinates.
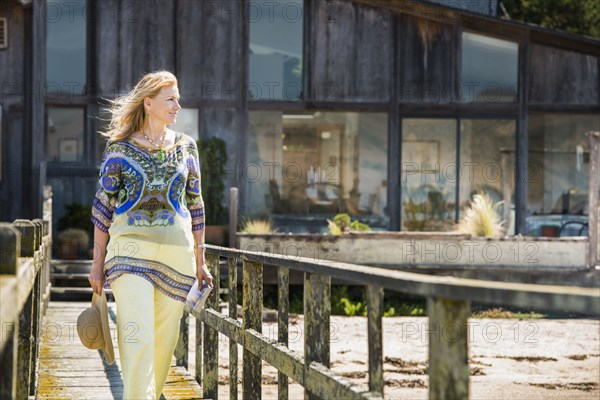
(213, 157)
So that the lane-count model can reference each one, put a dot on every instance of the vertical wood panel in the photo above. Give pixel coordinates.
(108, 27)
(448, 349)
(562, 77)
(317, 311)
(428, 60)
(252, 319)
(209, 37)
(522, 154)
(233, 347)
(211, 336)
(152, 37)
(594, 205)
(351, 52)
(11, 58)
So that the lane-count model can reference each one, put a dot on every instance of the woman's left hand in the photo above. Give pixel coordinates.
(202, 272)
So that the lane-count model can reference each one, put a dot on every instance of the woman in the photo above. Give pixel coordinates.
(149, 209)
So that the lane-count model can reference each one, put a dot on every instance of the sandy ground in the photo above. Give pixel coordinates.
(509, 358)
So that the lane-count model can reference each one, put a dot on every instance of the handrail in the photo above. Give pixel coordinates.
(448, 302)
(543, 297)
(24, 295)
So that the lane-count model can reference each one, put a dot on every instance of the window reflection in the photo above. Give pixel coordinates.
(487, 164)
(428, 174)
(275, 49)
(65, 134)
(66, 46)
(321, 163)
(558, 181)
(488, 69)
(187, 122)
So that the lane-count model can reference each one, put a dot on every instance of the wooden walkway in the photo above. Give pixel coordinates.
(67, 370)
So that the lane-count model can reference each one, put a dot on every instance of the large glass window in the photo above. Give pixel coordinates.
(65, 134)
(275, 49)
(428, 174)
(487, 163)
(66, 46)
(488, 69)
(308, 167)
(558, 180)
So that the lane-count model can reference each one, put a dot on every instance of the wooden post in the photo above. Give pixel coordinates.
(199, 351)
(283, 307)
(182, 349)
(210, 384)
(10, 252)
(593, 205)
(24, 349)
(28, 236)
(448, 351)
(10, 244)
(375, 335)
(233, 216)
(317, 310)
(25, 341)
(233, 346)
(252, 315)
(37, 311)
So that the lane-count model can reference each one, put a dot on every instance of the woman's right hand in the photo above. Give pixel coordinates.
(96, 277)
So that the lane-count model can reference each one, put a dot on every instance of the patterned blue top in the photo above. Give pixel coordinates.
(149, 206)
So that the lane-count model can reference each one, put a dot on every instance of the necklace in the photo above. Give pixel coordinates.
(161, 154)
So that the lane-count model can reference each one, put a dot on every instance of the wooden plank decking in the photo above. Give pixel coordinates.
(67, 370)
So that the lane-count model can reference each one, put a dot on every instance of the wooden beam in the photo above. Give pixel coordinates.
(539, 297)
(448, 349)
(283, 308)
(375, 335)
(252, 319)
(317, 310)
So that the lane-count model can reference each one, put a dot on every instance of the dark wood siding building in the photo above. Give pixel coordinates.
(393, 111)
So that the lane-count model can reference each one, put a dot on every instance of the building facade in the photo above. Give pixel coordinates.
(395, 112)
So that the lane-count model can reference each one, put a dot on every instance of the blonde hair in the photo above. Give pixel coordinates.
(127, 112)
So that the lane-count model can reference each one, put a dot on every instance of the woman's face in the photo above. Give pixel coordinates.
(165, 105)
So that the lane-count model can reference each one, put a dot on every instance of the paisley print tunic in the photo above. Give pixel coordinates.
(150, 207)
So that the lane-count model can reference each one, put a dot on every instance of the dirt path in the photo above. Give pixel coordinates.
(509, 358)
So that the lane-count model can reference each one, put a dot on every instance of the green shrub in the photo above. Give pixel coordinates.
(76, 216)
(356, 225)
(342, 223)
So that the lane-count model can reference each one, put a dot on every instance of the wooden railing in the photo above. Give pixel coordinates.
(448, 304)
(25, 252)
